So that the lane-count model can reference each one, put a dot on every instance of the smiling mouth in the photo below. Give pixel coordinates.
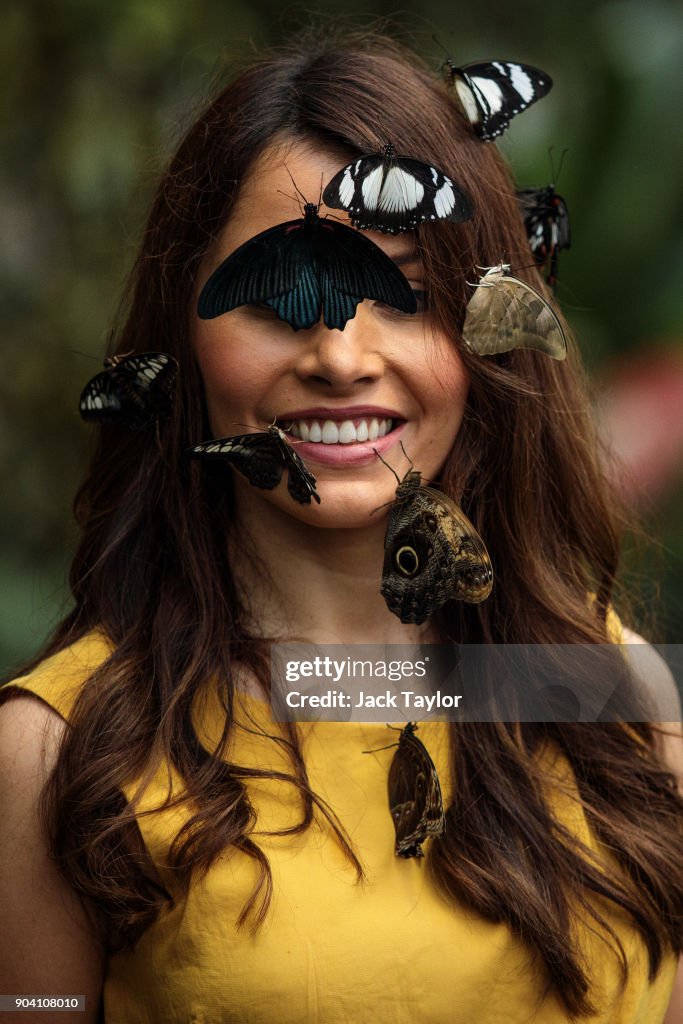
(320, 431)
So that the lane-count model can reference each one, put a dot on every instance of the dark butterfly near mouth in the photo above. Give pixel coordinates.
(415, 799)
(132, 391)
(385, 192)
(262, 458)
(432, 553)
(306, 268)
(492, 93)
(505, 313)
(546, 220)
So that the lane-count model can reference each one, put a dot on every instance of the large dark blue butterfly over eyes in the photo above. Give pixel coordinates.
(304, 268)
(384, 192)
(132, 391)
(262, 458)
(492, 93)
(546, 219)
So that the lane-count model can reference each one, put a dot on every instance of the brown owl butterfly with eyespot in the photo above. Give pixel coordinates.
(432, 554)
(414, 795)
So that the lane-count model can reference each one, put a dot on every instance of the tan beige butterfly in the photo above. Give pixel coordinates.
(505, 313)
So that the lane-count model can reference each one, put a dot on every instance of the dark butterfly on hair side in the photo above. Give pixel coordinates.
(546, 220)
(132, 391)
(415, 799)
(505, 313)
(304, 268)
(262, 458)
(491, 93)
(385, 192)
(432, 553)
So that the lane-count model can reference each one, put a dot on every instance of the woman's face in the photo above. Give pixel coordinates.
(386, 369)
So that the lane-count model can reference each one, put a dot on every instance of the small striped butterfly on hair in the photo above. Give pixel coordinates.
(505, 313)
(415, 799)
(306, 268)
(492, 93)
(132, 391)
(546, 220)
(262, 457)
(389, 193)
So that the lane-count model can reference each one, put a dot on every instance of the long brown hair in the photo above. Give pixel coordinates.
(152, 571)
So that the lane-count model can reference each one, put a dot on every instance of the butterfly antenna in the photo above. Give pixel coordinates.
(390, 468)
(320, 194)
(86, 355)
(441, 46)
(296, 187)
(556, 173)
(406, 455)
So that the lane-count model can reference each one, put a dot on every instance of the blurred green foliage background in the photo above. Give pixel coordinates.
(94, 95)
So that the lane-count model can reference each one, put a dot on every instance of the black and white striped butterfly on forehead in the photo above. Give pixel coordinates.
(304, 269)
(385, 192)
(262, 457)
(492, 93)
(546, 220)
(133, 390)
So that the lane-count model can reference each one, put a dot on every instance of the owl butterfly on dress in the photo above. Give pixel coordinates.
(385, 192)
(132, 391)
(415, 799)
(262, 458)
(432, 553)
(492, 93)
(505, 313)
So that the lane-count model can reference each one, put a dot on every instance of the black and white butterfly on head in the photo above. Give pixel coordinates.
(262, 457)
(132, 391)
(304, 269)
(389, 193)
(505, 313)
(492, 93)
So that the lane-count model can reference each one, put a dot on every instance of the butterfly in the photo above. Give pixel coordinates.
(492, 93)
(133, 390)
(415, 799)
(546, 219)
(505, 313)
(262, 458)
(432, 553)
(384, 192)
(304, 267)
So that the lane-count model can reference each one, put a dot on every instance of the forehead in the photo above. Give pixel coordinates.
(285, 176)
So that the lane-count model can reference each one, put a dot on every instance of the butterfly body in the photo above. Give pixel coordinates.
(304, 269)
(384, 192)
(262, 457)
(505, 313)
(546, 220)
(133, 390)
(415, 799)
(433, 554)
(492, 93)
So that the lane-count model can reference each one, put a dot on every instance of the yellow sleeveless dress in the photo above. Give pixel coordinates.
(332, 951)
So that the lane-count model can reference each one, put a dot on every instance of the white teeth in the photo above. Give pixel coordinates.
(346, 432)
(330, 432)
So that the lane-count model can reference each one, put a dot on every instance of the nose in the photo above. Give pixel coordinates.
(345, 358)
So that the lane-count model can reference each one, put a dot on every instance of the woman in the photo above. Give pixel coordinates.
(267, 889)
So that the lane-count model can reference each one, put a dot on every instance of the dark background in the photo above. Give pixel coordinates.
(95, 94)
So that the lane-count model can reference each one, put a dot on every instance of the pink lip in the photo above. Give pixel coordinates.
(346, 412)
(359, 453)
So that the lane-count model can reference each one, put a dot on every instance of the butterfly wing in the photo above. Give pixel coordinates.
(275, 267)
(352, 268)
(546, 219)
(505, 313)
(255, 456)
(415, 798)
(432, 554)
(133, 391)
(301, 482)
(492, 93)
(395, 194)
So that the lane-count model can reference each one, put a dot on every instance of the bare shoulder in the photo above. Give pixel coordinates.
(661, 688)
(47, 943)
